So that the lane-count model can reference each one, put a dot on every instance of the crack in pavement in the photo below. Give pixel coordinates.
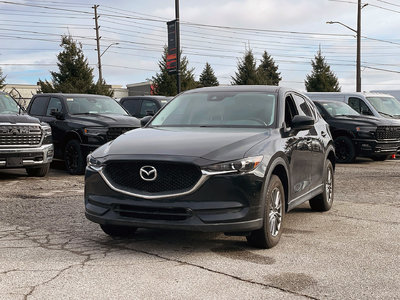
(44, 241)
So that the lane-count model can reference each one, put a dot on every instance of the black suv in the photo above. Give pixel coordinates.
(141, 106)
(80, 123)
(357, 135)
(230, 159)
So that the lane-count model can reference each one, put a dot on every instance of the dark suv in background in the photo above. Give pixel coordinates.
(358, 135)
(229, 159)
(80, 123)
(141, 106)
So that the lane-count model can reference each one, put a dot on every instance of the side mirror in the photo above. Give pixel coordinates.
(302, 123)
(57, 114)
(149, 112)
(365, 111)
(145, 120)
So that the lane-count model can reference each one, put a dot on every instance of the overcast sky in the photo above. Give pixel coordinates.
(289, 30)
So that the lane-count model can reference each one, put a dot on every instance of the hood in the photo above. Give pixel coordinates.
(367, 121)
(216, 144)
(16, 118)
(106, 120)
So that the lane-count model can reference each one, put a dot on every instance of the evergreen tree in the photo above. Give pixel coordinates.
(207, 77)
(75, 75)
(2, 79)
(268, 71)
(322, 79)
(165, 84)
(247, 72)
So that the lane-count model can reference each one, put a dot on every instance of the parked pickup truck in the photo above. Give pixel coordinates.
(80, 123)
(25, 142)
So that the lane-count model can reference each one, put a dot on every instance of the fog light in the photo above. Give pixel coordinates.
(50, 153)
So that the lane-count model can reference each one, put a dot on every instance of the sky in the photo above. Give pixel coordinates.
(217, 32)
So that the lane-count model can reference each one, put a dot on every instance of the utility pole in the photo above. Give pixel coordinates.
(358, 75)
(178, 49)
(96, 17)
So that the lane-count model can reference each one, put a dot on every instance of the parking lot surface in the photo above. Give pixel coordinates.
(48, 250)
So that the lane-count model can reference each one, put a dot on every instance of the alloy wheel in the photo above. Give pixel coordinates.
(275, 212)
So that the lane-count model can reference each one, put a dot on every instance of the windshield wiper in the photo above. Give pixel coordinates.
(385, 114)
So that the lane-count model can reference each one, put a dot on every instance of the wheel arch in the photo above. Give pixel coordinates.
(71, 135)
(279, 166)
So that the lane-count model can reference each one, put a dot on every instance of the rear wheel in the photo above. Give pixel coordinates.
(323, 202)
(74, 160)
(38, 171)
(345, 151)
(268, 236)
(118, 231)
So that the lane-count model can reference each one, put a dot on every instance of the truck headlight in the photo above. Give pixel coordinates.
(46, 130)
(94, 131)
(366, 131)
(244, 165)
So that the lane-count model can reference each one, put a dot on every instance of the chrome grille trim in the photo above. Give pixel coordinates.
(20, 135)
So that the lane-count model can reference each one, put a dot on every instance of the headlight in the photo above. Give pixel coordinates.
(237, 166)
(94, 163)
(46, 129)
(366, 131)
(95, 130)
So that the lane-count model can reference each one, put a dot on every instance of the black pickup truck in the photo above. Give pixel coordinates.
(80, 123)
(25, 142)
(357, 135)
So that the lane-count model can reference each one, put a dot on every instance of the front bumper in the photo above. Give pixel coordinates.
(223, 203)
(26, 157)
(367, 147)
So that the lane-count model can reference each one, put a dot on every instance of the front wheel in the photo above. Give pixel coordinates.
(345, 150)
(74, 161)
(323, 202)
(269, 235)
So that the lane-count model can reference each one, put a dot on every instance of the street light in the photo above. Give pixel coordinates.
(99, 58)
(358, 33)
(107, 48)
(358, 64)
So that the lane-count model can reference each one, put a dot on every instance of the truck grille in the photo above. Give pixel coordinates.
(171, 177)
(388, 133)
(20, 135)
(114, 132)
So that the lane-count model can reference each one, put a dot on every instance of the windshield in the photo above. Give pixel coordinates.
(385, 105)
(219, 109)
(8, 105)
(338, 109)
(94, 105)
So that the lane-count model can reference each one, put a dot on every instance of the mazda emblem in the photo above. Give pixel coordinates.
(148, 173)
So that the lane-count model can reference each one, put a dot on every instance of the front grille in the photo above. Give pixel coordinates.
(171, 177)
(388, 133)
(114, 132)
(153, 213)
(20, 135)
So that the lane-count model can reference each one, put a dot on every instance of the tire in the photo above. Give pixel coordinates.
(380, 158)
(324, 201)
(73, 157)
(38, 172)
(345, 151)
(118, 231)
(269, 235)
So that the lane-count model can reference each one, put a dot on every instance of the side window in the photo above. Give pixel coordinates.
(148, 106)
(133, 106)
(303, 108)
(290, 110)
(38, 106)
(54, 104)
(355, 104)
(359, 106)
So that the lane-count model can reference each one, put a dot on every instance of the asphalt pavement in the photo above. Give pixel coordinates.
(48, 250)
